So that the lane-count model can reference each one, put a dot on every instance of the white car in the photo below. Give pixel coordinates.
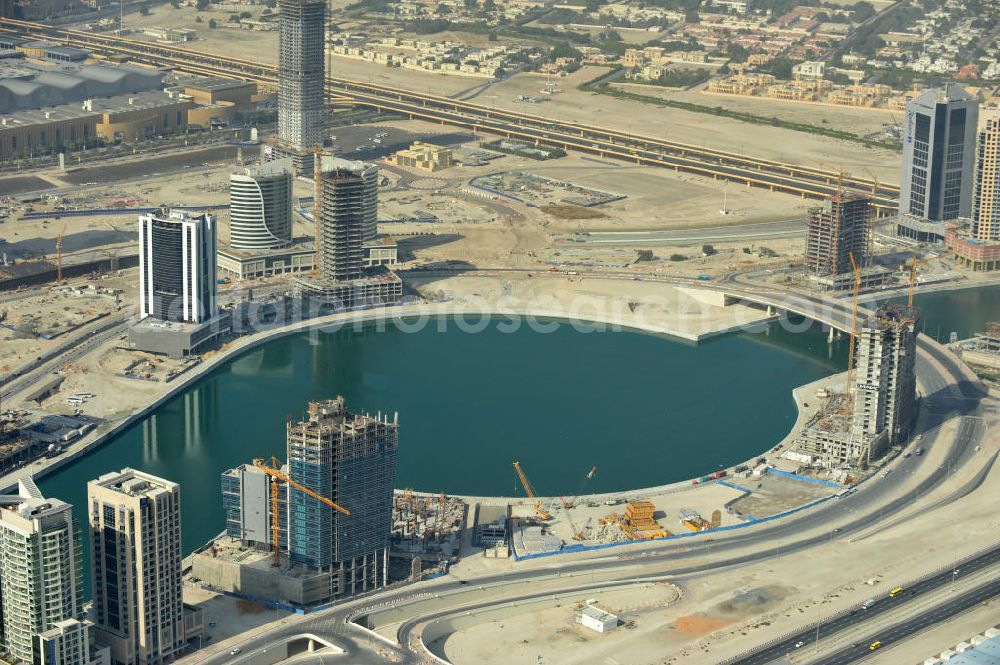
(799, 644)
(235, 652)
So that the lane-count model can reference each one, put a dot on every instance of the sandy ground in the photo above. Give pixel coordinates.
(688, 127)
(231, 616)
(858, 121)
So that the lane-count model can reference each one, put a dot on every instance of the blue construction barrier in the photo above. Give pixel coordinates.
(735, 486)
(589, 548)
(806, 479)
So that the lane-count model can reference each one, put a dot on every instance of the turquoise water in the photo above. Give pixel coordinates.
(646, 410)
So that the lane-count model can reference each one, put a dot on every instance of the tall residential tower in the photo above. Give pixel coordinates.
(41, 579)
(135, 553)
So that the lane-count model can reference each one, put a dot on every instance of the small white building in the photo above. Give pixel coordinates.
(597, 619)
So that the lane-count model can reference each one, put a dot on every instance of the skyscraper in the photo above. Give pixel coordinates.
(347, 210)
(346, 215)
(837, 230)
(41, 577)
(939, 137)
(885, 395)
(301, 28)
(177, 266)
(986, 202)
(135, 551)
(260, 206)
(351, 460)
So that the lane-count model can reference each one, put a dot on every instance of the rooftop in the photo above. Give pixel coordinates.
(133, 483)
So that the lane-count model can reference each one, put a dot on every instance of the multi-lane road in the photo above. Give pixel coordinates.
(777, 176)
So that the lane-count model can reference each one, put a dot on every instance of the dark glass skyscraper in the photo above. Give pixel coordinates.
(939, 150)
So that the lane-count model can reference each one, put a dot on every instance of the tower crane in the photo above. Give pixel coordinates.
(539, 510)
(277, 477)
(583, 484)
(854, 334)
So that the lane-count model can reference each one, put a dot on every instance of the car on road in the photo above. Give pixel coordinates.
(799, 644)
(234, 652)
(874, 646)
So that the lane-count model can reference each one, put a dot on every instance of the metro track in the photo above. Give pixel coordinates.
(806, 182)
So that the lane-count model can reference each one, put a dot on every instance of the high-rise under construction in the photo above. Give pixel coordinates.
(346, 216)
(885, 390)
(837, 230)
(301, 78)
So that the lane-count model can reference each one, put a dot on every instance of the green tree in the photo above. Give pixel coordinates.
(213, 24)
(201, 5)
(708, 250)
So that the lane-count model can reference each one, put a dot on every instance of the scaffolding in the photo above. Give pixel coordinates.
(836, 230)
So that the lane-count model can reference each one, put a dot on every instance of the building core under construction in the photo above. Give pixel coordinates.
(335, 458)
(838, 229)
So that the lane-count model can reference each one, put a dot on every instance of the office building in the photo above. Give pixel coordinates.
(836, 231)
(977, 244)
(301, 82)
(260, 207)
(41, 575)
(349, 459)
(71, 642)
(939, 136)
(177, 266)
(135, 553)
(346, 215)
(178, 312)
(885, 387)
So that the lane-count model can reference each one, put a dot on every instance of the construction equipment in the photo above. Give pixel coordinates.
(583, 484)
(540, 512)
(59, 246)
(913, 263)
(854, 335)
(277, 477)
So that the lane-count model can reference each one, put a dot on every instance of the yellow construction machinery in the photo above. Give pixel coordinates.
(539, 510)
(277, 477)
(583, 484)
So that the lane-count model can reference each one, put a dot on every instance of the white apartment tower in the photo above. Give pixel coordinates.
(177, 268)
(135, 524)
(41, 574)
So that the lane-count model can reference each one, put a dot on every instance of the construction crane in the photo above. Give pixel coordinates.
(277, 477)
(583, 484)
(539, 510)
(854, 334)
(59, 246)
(913, 263)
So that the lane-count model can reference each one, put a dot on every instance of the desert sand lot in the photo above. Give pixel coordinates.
(688, 127)
(859, 121)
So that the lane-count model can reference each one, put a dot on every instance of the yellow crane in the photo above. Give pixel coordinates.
(277, 477)
(854, 334)
(586, 479)
(59, 246)
(913, 263)
(539, 510)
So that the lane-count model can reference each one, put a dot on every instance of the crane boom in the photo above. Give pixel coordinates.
(276, 478)
(854, 334)
(579, 490)
(539, 510)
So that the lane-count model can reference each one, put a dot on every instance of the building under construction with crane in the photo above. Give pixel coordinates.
(318, 527)
(837, 230)
(880, 405)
